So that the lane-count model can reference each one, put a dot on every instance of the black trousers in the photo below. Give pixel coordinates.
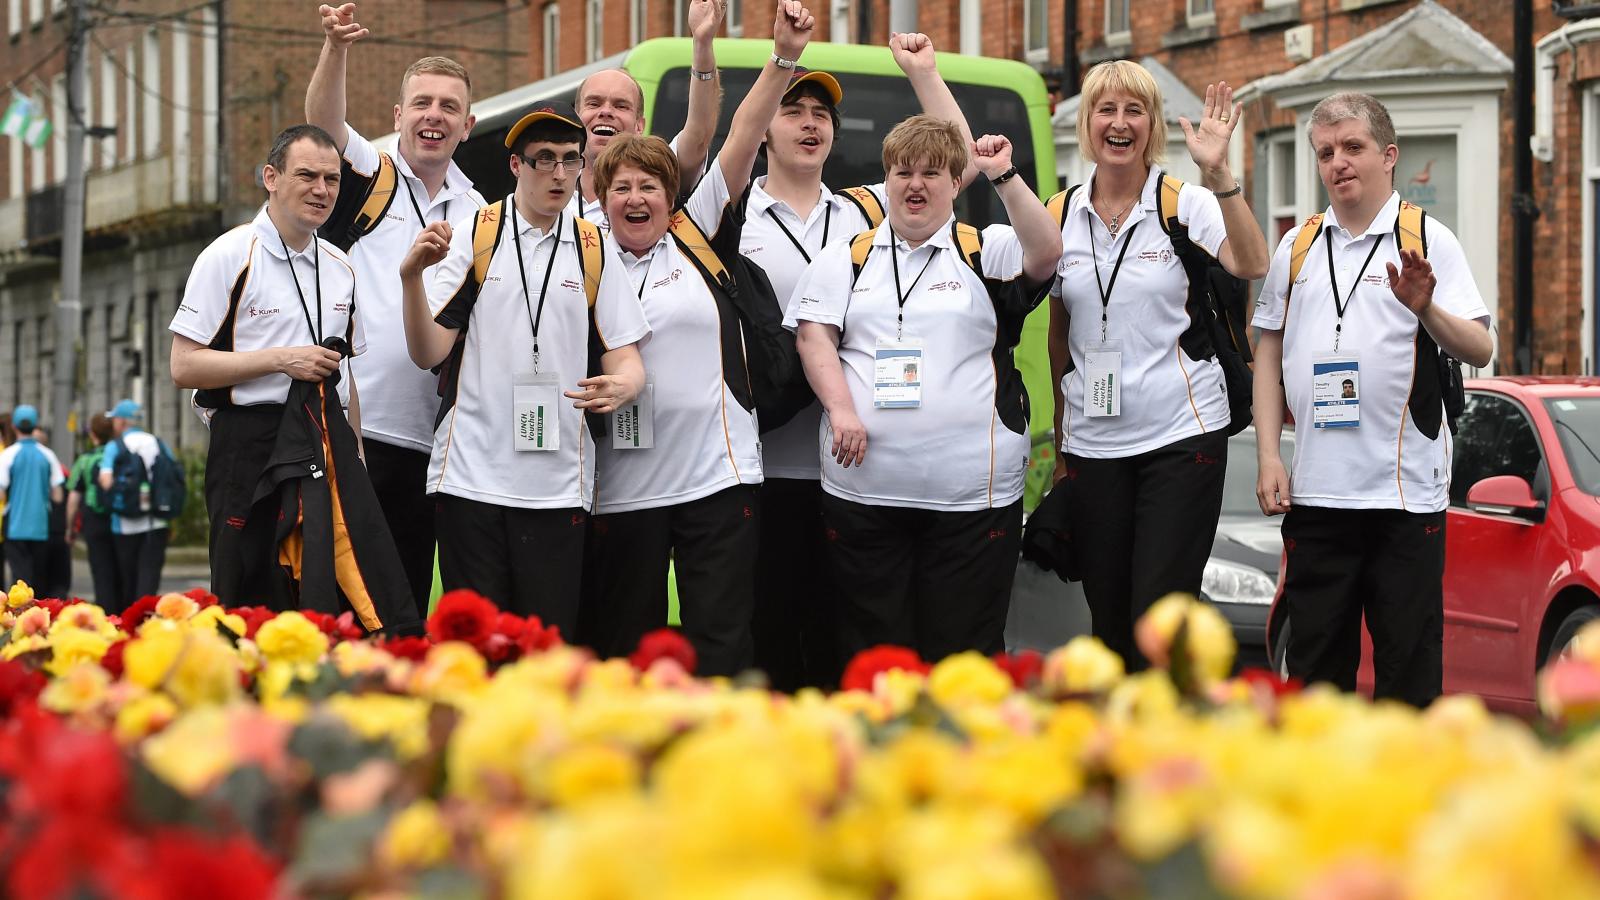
(528, 561)
(1143, 526)
(712, 543)
(937, 582)
(140, 558)
(30, 562)
(96, 534)
(795, 623)
(1386, 564)
(244, 544)
(399, 477)
(58, 577)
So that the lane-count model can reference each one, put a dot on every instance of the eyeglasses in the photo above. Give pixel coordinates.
(549, 163)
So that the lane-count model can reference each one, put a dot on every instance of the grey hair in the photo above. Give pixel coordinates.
(1354, 105)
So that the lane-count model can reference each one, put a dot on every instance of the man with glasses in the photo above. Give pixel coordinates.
(533, 327)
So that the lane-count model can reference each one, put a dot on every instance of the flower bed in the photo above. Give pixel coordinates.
(189, 751)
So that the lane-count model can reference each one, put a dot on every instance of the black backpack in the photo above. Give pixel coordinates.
(160, 492)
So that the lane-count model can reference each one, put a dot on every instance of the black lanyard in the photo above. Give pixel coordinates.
(422, 221)
(1333, 281)
(1106, 289)
(316, 276)
(827, 222)
(534, 318)
(899, 295)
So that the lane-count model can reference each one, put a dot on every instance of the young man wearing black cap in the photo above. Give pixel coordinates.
(398, 400)
(534, 326)
(789, 216)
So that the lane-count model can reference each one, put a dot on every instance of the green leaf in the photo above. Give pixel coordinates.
(334, 852)
(1182, 875)
(330, 747)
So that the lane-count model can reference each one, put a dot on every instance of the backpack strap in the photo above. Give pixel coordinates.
(1297, 255)
(1059, 203)
(694, 242)
(1167, 191)
(860, 247)
(970, 242)
(866, 201)
(485, 237)
(379, 197)
(1411, 229)
(590, 258)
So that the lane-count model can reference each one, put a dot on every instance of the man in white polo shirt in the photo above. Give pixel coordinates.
(432, 118)
(611, 102)
(260, 303)
(528, 343)
(1364, 524)
(788, 217)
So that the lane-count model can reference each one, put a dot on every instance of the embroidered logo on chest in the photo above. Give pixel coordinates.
(258, 311)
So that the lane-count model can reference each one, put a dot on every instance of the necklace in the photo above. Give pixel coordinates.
(1116, 220)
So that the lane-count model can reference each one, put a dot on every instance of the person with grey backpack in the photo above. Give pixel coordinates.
(144, 486)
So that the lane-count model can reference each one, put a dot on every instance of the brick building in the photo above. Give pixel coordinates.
(196, 92)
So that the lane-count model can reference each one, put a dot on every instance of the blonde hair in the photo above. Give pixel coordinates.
(436, 65)
(925, 139)
(1123, 76)
(645, 152)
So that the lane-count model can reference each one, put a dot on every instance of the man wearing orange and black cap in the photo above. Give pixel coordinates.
(533, 326)
(789, 216)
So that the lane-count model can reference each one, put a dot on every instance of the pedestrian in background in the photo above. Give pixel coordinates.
(30, 476)
(89, 516)
(58, 567)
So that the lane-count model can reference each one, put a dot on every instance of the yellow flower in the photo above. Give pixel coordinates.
(193, 752)
(998, 874)
(968, 677)
(195, 667)
(149, 657)
(213, 616)
(359, 657)
(176, 607)
(144, 716)
(1027, 778)
(17, 646)
(1209, 637)
(417, 837)
(402, 721)
(76, 689)
(450, 673)
(1083, 666)
(584, 772)
(86, 616)
(71, 647)
(291, 637)
(34, 621)
(7, 619)
(20, 595)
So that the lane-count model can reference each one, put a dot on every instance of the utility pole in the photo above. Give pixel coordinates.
(69, 317)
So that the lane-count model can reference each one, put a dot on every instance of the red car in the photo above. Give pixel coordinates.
(1522, 550)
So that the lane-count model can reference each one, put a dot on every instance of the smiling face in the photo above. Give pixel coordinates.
(1357, 173)
(432, 118)
(922, 197)
(609, 104)
(638, 208)
(301, 195)
(1119, 130)
(800, 136)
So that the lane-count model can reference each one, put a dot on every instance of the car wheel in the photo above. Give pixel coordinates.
(1280, 652)
(1561, 644)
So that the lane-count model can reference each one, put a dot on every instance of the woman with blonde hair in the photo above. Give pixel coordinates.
(1142, 409)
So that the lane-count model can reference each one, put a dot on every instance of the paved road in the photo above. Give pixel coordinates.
(186, 568)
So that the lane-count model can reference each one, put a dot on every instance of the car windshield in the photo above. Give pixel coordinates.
(1577, 421)
(1239, 482)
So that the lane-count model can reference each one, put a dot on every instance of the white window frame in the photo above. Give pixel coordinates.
(733, 19)
(839, 21)
(678, 15)
(594, 30)
(150, 75)
(1273, 4)
(106, 148)
(971, 26)
(1125, 34)
(1591, 187)
(15, 187)
(638, 11)
(37, 175)
(14, 17)
(130, 112)
(1031, 52)
(58, 130)
(550, 16)
(1200, 13)
(35, 12)
(1281, 203)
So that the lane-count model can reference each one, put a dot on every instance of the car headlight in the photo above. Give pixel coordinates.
(1227, 582)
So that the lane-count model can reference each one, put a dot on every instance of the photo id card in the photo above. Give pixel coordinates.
(633, 425)
(536, 411)
(1335, 391)
(1102, 380)
(897, 375)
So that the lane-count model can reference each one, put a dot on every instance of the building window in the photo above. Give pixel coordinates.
(130, 99)
(594, 30)
(15, 181)
(1283, 212)
(35, 12)
(637, 10)
(1036, 30)
(152, 89)
(1117, 22)
(107, 147)
(36, 158)
(839, 22)
(972, 27)
(552, 38)
(14, 17)
(735, 18)
(1202, 12)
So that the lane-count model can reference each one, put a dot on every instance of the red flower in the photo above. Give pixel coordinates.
(536, 638)
(184, 863)
(1024, 668)
(134, 615)
(201, 596)
(326, 623)
(77, 773)
(664, 643)
(864, 669)
(18, 685)
(1258, 676)
(463, 615)
(412, 648)
(254, 617)
(112, 660)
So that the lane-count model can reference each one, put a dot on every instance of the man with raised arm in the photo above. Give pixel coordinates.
(386, 201)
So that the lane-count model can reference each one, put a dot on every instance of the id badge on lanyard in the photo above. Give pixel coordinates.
(897, 374)
(1102, 380)
(1335, 390)
(633, 427)
(536, 412)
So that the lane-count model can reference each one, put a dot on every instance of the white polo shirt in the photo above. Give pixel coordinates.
(778, 240)
(473, 452)
(705, 441)
(1166, 394)
(241, 296)
(398, 400)
(956, 452)
(1386, 463)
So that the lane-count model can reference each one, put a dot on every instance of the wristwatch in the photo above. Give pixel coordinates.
(703, 76)
(783, 63)
(1004, 177)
